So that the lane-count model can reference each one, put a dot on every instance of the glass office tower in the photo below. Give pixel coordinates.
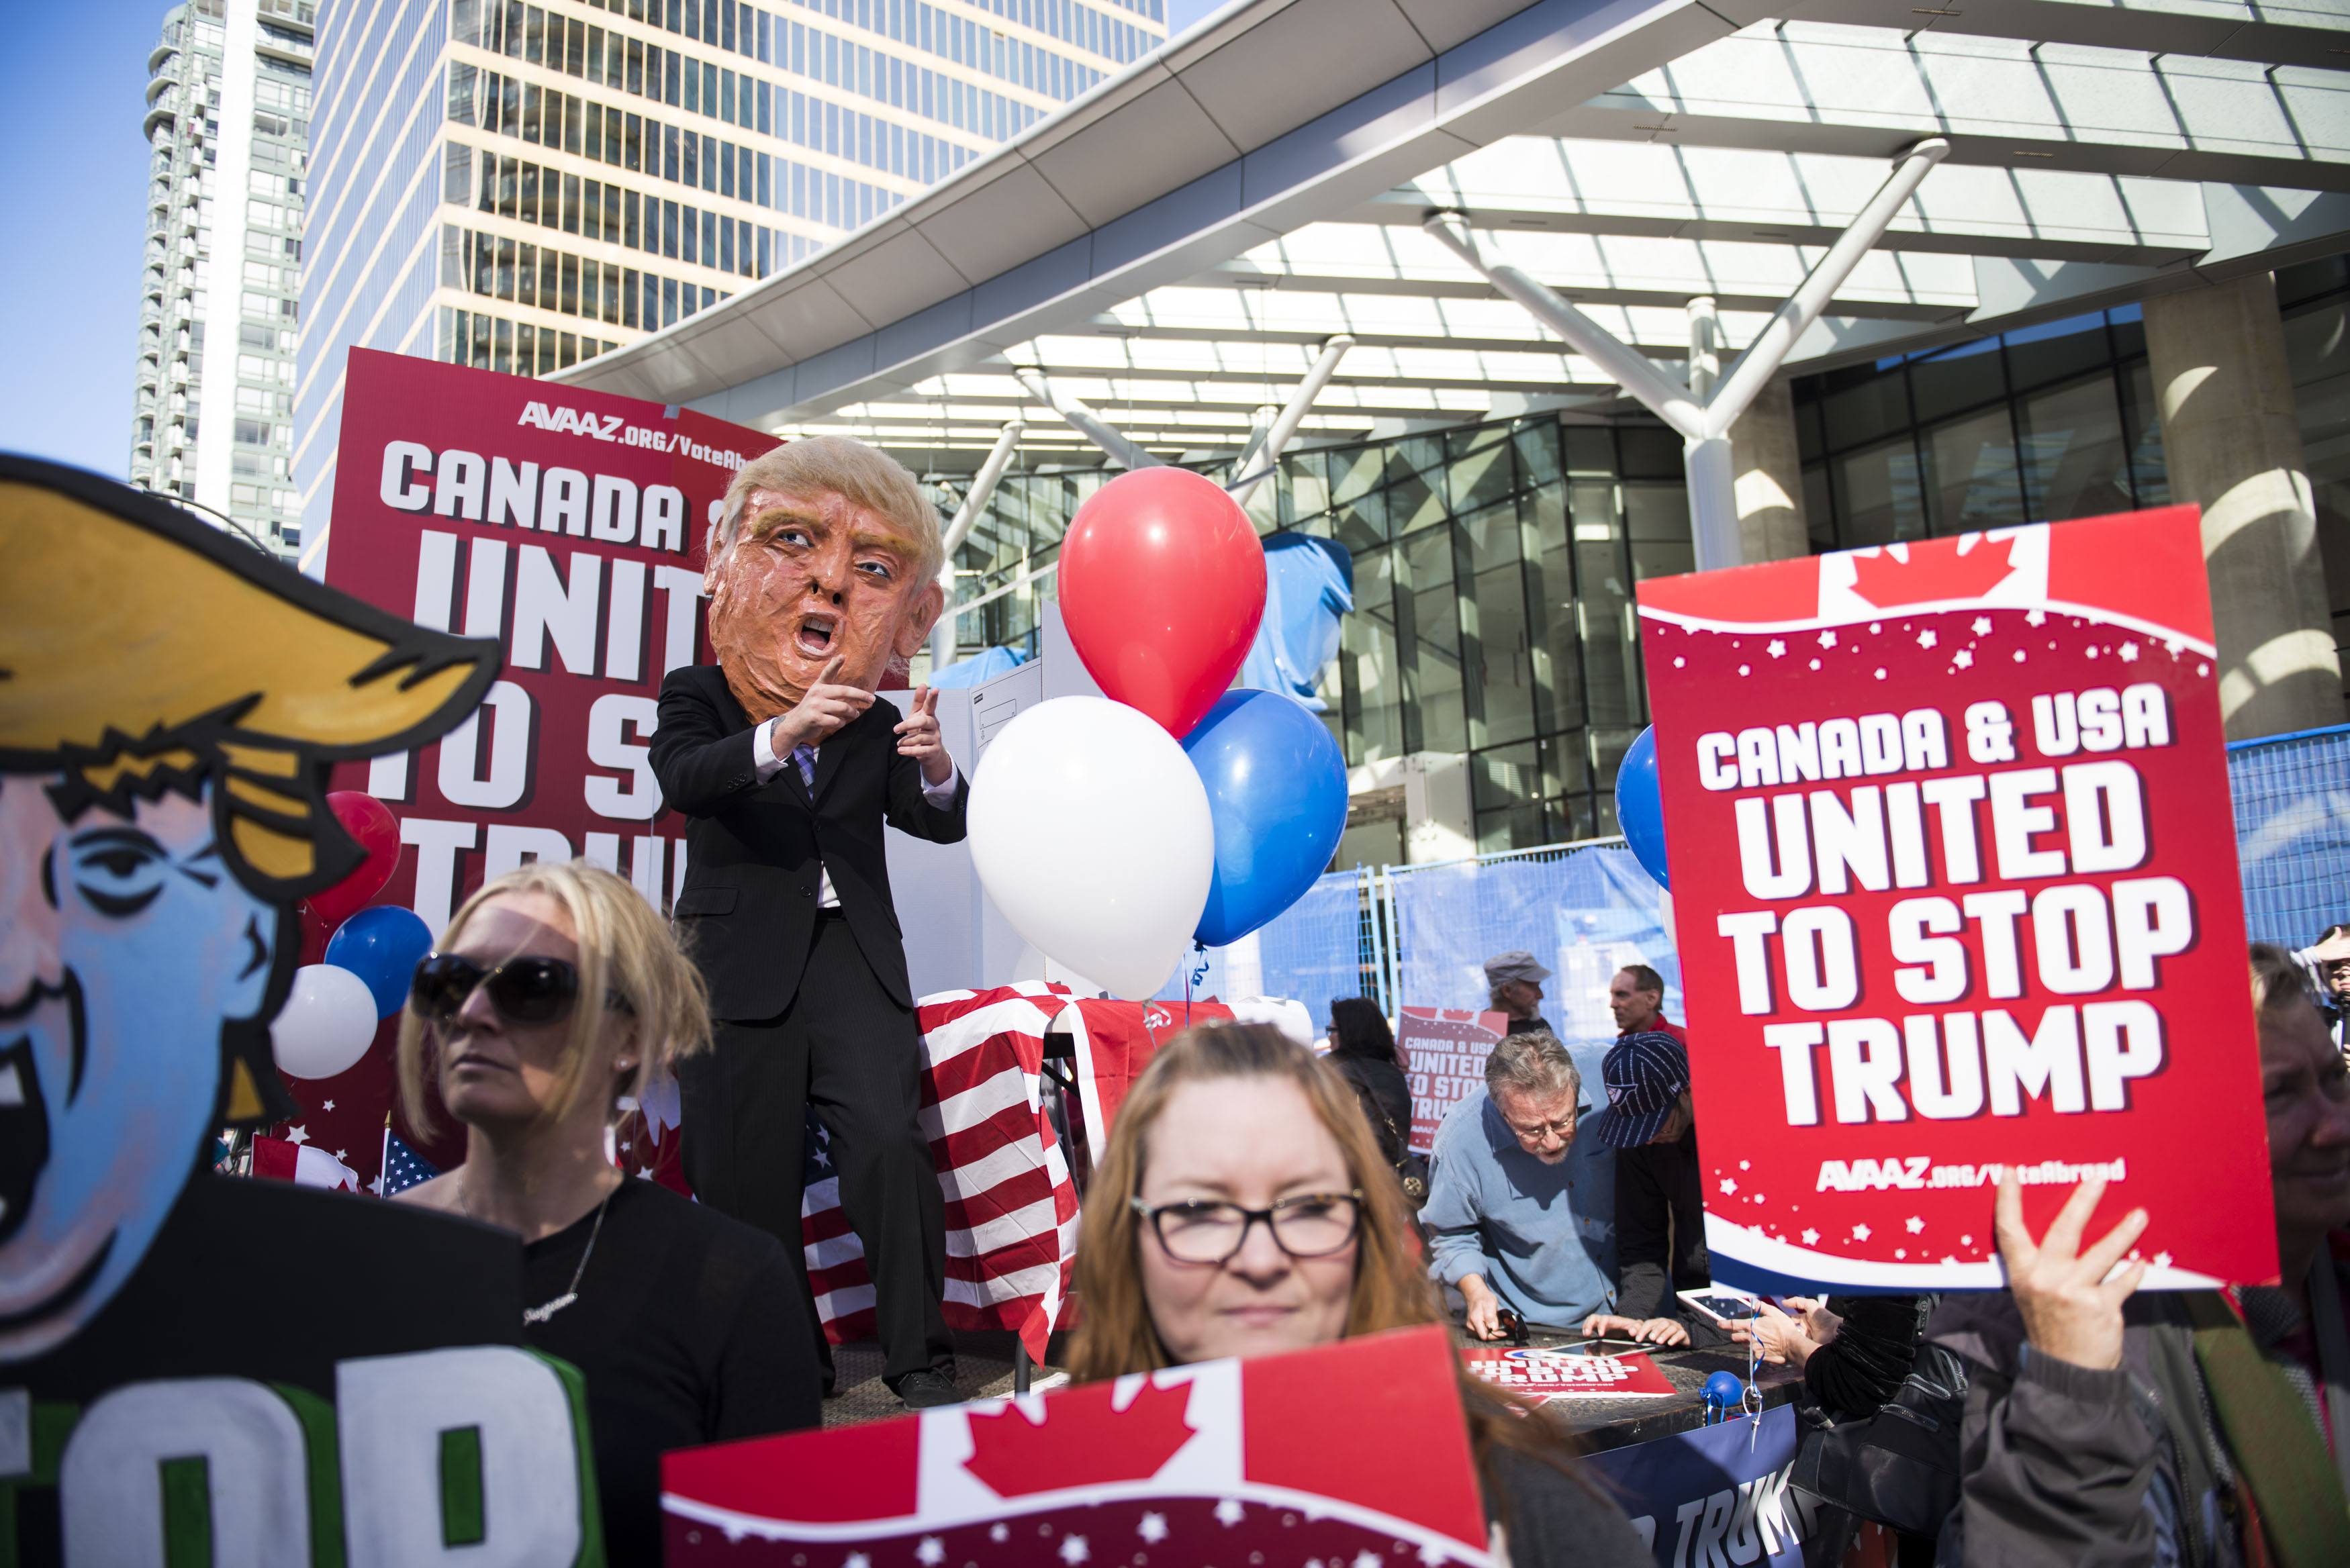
(228, 119)
(520, 186)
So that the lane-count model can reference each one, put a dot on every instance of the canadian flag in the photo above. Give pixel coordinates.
(1278, 1460)
(281, 1161)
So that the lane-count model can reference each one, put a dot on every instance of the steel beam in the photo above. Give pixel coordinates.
(974, 502)
(1292, 414)
(1083, 420)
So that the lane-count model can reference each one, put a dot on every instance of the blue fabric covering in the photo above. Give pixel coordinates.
(978, 668)
(1309, 584)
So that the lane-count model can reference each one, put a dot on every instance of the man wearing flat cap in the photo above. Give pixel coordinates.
(1514, 982)
(171, 701)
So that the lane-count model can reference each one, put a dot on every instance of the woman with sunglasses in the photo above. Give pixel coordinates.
(1240, 1210)
(555, 992)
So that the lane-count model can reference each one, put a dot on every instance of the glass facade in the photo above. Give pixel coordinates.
(1493, 620)
(2045, 422)
(521, 185)
(228, 123)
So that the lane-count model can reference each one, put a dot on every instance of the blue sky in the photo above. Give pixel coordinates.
(73, 84)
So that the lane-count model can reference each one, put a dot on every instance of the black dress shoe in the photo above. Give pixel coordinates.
(926, 1389)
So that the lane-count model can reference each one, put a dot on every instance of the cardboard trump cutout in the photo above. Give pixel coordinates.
(258, 1371)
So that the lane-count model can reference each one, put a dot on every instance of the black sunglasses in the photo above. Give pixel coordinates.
(526, 990)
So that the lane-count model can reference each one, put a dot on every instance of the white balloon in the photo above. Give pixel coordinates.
(1089, 828)
(327, 1022)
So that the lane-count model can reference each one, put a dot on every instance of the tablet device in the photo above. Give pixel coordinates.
(1722, 1306)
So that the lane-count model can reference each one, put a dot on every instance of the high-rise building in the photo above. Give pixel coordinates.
(520, 186)
(228, 114)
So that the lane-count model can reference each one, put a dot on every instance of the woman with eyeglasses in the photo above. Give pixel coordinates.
(556, 991)
(1240, 1210)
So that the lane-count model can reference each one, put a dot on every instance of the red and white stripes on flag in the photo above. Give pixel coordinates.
(282, 1160)
(1011, 1205)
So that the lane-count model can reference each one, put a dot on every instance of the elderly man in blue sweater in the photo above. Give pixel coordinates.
(1523, 1208)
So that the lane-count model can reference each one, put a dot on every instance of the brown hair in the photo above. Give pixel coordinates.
(2278, 979)
(625, 949)
(1392, 1289)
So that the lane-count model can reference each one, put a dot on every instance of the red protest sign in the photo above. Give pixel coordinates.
(1280, 1458)
(570, 526)
(1542, 1375)
(1444, 1051)
(1955, 879)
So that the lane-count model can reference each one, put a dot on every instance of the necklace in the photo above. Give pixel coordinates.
(539, 1314)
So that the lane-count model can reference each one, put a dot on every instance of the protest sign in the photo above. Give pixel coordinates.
(570, 526)
(1716, 1494)
(1955, 878)
(1444, 1051)
(1541, 1375)
(1280, 1458)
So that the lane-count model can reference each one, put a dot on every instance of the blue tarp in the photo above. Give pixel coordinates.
(1309, 584)
(978, 668)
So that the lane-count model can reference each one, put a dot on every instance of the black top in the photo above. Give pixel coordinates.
(689, 1328)
(1659, 1226)
(746, 912)
(1558, 1521)
(1385, 1099)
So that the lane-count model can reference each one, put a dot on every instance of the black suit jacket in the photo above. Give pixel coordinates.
(747, 910)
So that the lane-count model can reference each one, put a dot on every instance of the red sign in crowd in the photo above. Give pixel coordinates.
(1444, 1051)
(1955, 879)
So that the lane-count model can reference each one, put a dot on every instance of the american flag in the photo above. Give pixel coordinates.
(401, 1168)
(1010, 1206)
(289, 1160)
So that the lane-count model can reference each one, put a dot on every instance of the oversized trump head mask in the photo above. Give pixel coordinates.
(824, 549)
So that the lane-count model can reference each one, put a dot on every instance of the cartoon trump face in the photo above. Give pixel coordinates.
(825, 549)
(169, 703)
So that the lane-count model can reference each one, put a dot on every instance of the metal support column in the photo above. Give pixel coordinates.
(1702, 415)
(974, 502)
(1268, 456)
(1083, 420)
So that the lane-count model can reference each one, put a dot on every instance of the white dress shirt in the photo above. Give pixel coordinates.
(763, 757)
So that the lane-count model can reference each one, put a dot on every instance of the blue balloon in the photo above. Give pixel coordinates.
(1277, 793)
(381, 945)
(1638, 810)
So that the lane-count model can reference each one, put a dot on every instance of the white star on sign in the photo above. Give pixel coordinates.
(1860, 1233)
(1230, 1511)
(376, 1187)
(1963, 658)
(1074, 1550)
(1966, 1241)
(296, 1137)
(1776, 648)
(2019, 656)
(1915, 1224)
(997, 1531)
(328, 1106)
(1927, 639)
(1982, 626)
(1366, 1560)
(1153, 1528)
(1811, 1238)
(854, 1559)
(2162, 1259)
(1728, 1186)
(341, 1156)
(931, 1552)
(2128, 650)
(2037, 618)
(1827, 639)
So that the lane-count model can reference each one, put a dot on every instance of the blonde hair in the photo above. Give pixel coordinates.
(1116, 1334)
(846, 467)
(625, 949)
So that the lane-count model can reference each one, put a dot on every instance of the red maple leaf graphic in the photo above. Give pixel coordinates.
(1933, 571)
(1081, 1441)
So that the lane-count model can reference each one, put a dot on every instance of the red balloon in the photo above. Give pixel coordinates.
(1162, 585)
(370, 822)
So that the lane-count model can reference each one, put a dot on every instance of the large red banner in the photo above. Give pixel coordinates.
(570, 526)
(1955, 879)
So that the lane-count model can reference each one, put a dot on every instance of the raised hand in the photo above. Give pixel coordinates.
(827, 706)
(918, 738)
(2071, 1309)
